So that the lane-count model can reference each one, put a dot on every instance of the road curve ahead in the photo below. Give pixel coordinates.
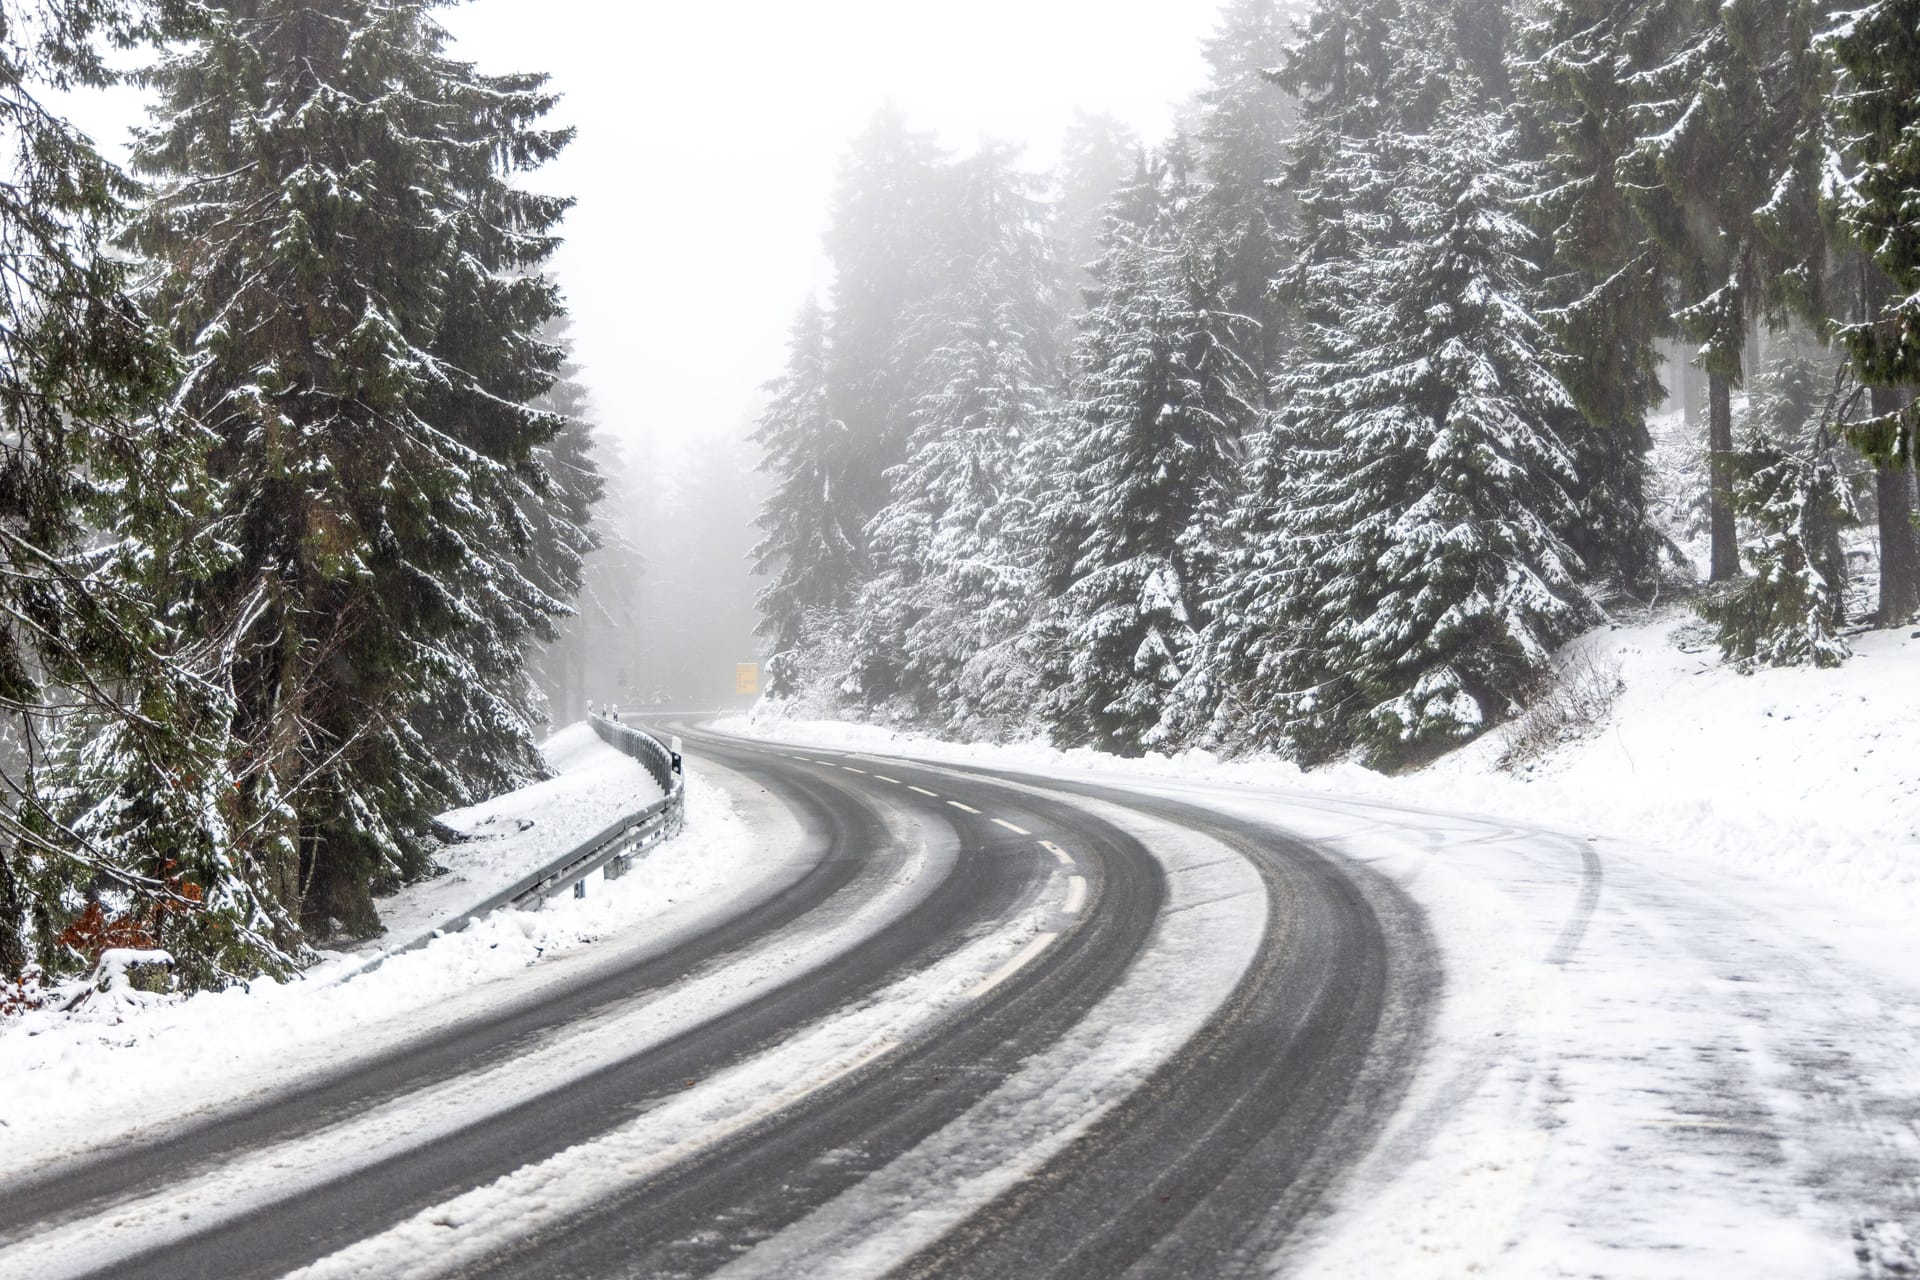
(996, 1026)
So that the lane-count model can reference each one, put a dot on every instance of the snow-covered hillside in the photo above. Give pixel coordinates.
(1805, 776)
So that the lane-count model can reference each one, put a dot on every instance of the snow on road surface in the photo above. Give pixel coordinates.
(1216, 915)
(1681, 1003)
(113, 1073)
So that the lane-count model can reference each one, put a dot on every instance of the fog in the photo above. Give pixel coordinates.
(709, 139)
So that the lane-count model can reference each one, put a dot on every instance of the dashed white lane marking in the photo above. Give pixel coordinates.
(923, 791)
(850, 769)
(884, 778)
(1076, 894)
(966, 808)
(1013, 966)
(1066, 859)
(1019, 831)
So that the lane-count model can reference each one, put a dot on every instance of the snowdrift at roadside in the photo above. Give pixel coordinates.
(1806, 776)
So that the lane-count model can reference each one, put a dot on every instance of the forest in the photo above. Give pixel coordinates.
(1320, 425)
(295, 483)
(1315, 427)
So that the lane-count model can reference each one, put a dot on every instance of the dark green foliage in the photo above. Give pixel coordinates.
(1607, 282)
(1141, 474)
(809, 547)
(1878, 110)
(1244, 214)
(1793, 497)
(1417, 580)
(125, 824)
(353, 280)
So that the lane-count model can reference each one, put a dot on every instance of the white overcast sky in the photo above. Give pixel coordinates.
(710, 132)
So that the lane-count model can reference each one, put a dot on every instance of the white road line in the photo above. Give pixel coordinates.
(884, 778)
(923, 791)
(1066, 859)
(1019, 831)
(1076, 894)
(965, 807)
(1013, 966)
(850, 769)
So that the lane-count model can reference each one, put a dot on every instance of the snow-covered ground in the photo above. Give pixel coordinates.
(510, 835)
(1808, 777)
(1682, 988)
(136, 1064)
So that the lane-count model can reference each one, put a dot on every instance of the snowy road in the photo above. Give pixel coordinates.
(980, 1024)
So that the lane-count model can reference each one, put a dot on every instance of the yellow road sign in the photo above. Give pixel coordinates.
(746, 677)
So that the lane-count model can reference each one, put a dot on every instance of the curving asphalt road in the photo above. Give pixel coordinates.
(1207, 1168)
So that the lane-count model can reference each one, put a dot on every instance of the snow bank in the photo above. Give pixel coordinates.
(1805, 777)
(511, 835)
(116, 1070)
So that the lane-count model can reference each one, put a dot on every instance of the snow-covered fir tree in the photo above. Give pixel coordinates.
(1724, 170)
(887, 247)
(1874, 166)
(566, 532)
(116, 812)
(1141, 473)
(1418, 478)
(809, 549)
(353, 278)
(1245, 124)
(1097, 157)
(939, 622)
(1607, 286)
(1793, 498)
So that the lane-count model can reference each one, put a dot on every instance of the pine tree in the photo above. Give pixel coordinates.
(1420, 479)
(887, 251)
(1608, 285)
(810, 548)
(1096, 160)
(86, 654)
(952, 552)
(1878, 156)
(354, 279)
(1794, 499)
(1244, 129)
(566, 532)
(1724, 174)
(1142, 474)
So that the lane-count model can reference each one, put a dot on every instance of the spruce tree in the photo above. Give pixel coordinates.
(886, 248)
(566, 531)
(1794, 500)
(1878, 159)
(1246, 122)
(1096, 160)
(353, 277)
(952, 551)
(1419, 479)
(1142, 474)
(810, 547)
(1608, 286)
(1724, 173)
(118, 834)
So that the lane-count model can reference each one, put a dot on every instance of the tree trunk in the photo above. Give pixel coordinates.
(1725, 559)
(1899, 542)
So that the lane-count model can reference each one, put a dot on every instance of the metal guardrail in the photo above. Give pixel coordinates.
(611, 852)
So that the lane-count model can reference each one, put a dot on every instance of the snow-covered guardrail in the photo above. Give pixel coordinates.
(611, 852)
